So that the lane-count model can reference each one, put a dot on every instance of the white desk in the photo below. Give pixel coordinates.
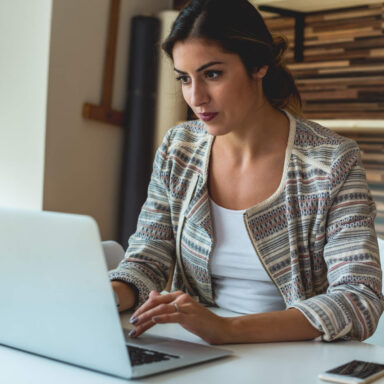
(275, 363)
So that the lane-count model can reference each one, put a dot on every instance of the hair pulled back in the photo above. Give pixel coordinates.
(238, 27)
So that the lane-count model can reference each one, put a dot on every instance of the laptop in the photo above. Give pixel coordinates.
(57, 301)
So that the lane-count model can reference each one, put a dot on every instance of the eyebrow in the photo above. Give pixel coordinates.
(201, 68)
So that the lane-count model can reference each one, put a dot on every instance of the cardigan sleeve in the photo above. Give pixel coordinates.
(150, 254)
(353, 303)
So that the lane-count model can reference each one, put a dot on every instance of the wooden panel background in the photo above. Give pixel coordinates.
(342, 75)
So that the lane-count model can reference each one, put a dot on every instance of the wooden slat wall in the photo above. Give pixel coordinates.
(342, 76)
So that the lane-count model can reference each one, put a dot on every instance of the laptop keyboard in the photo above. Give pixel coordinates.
(141, 356)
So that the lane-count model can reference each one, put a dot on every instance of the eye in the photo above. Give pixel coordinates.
(183, 79)
(212, 75)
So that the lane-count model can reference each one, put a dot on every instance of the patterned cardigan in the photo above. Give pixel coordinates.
(315, 235)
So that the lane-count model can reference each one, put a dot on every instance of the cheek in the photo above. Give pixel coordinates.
(232, 97)
(186, 95)
(243, 98)
(242, 92)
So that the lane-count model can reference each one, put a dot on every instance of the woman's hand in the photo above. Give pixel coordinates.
(178, 307)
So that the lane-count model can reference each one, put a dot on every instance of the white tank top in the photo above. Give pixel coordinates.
(240, 281)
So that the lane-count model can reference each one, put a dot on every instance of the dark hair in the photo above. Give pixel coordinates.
(238, 27)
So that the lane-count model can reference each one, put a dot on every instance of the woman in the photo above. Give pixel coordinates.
(270, 213)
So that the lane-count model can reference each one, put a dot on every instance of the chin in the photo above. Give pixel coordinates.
(215, 129)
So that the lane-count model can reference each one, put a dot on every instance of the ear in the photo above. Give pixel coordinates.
(259, 73)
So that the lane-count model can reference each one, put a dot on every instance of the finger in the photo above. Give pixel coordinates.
(137, 331)
(155, 300)
(176, 317)
(161, 309)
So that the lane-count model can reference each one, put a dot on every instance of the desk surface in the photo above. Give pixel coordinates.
(274, 363)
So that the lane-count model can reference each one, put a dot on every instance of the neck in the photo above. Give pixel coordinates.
(266, 133)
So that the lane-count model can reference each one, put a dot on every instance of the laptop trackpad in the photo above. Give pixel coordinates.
(146, 339)
(169, 345)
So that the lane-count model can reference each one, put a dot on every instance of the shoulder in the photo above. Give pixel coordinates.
(186, 144)
(191, 131)
(315, 141)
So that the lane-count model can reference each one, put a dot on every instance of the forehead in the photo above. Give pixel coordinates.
(192, 52)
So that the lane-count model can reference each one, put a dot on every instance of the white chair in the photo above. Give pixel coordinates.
(378, 337)
(113, 253)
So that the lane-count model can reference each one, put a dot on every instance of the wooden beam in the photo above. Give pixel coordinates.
(299, 27)
(104, 112)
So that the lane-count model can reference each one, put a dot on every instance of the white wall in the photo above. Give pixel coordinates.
(83, 158)
(24, 47)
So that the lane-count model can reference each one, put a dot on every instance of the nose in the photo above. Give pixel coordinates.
(199, 94)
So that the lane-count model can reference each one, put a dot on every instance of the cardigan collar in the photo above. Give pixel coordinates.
(199, 208)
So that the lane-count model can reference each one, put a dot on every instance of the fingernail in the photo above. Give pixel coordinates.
(133, 320)
(132, 333)
(155, 319)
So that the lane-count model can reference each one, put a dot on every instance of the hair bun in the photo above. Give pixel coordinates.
(280, 45)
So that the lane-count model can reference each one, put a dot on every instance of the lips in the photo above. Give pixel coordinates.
(207, 116)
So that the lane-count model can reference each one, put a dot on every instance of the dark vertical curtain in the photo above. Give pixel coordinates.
(138, 122)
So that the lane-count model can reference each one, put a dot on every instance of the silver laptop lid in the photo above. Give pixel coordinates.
(56, 299)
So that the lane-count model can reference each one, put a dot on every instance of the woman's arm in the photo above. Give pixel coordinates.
(150, 254)
(127, 296)
(288, 325)
(178, 307)
(353, 302)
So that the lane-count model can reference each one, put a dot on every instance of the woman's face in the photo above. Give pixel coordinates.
(217, 87)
